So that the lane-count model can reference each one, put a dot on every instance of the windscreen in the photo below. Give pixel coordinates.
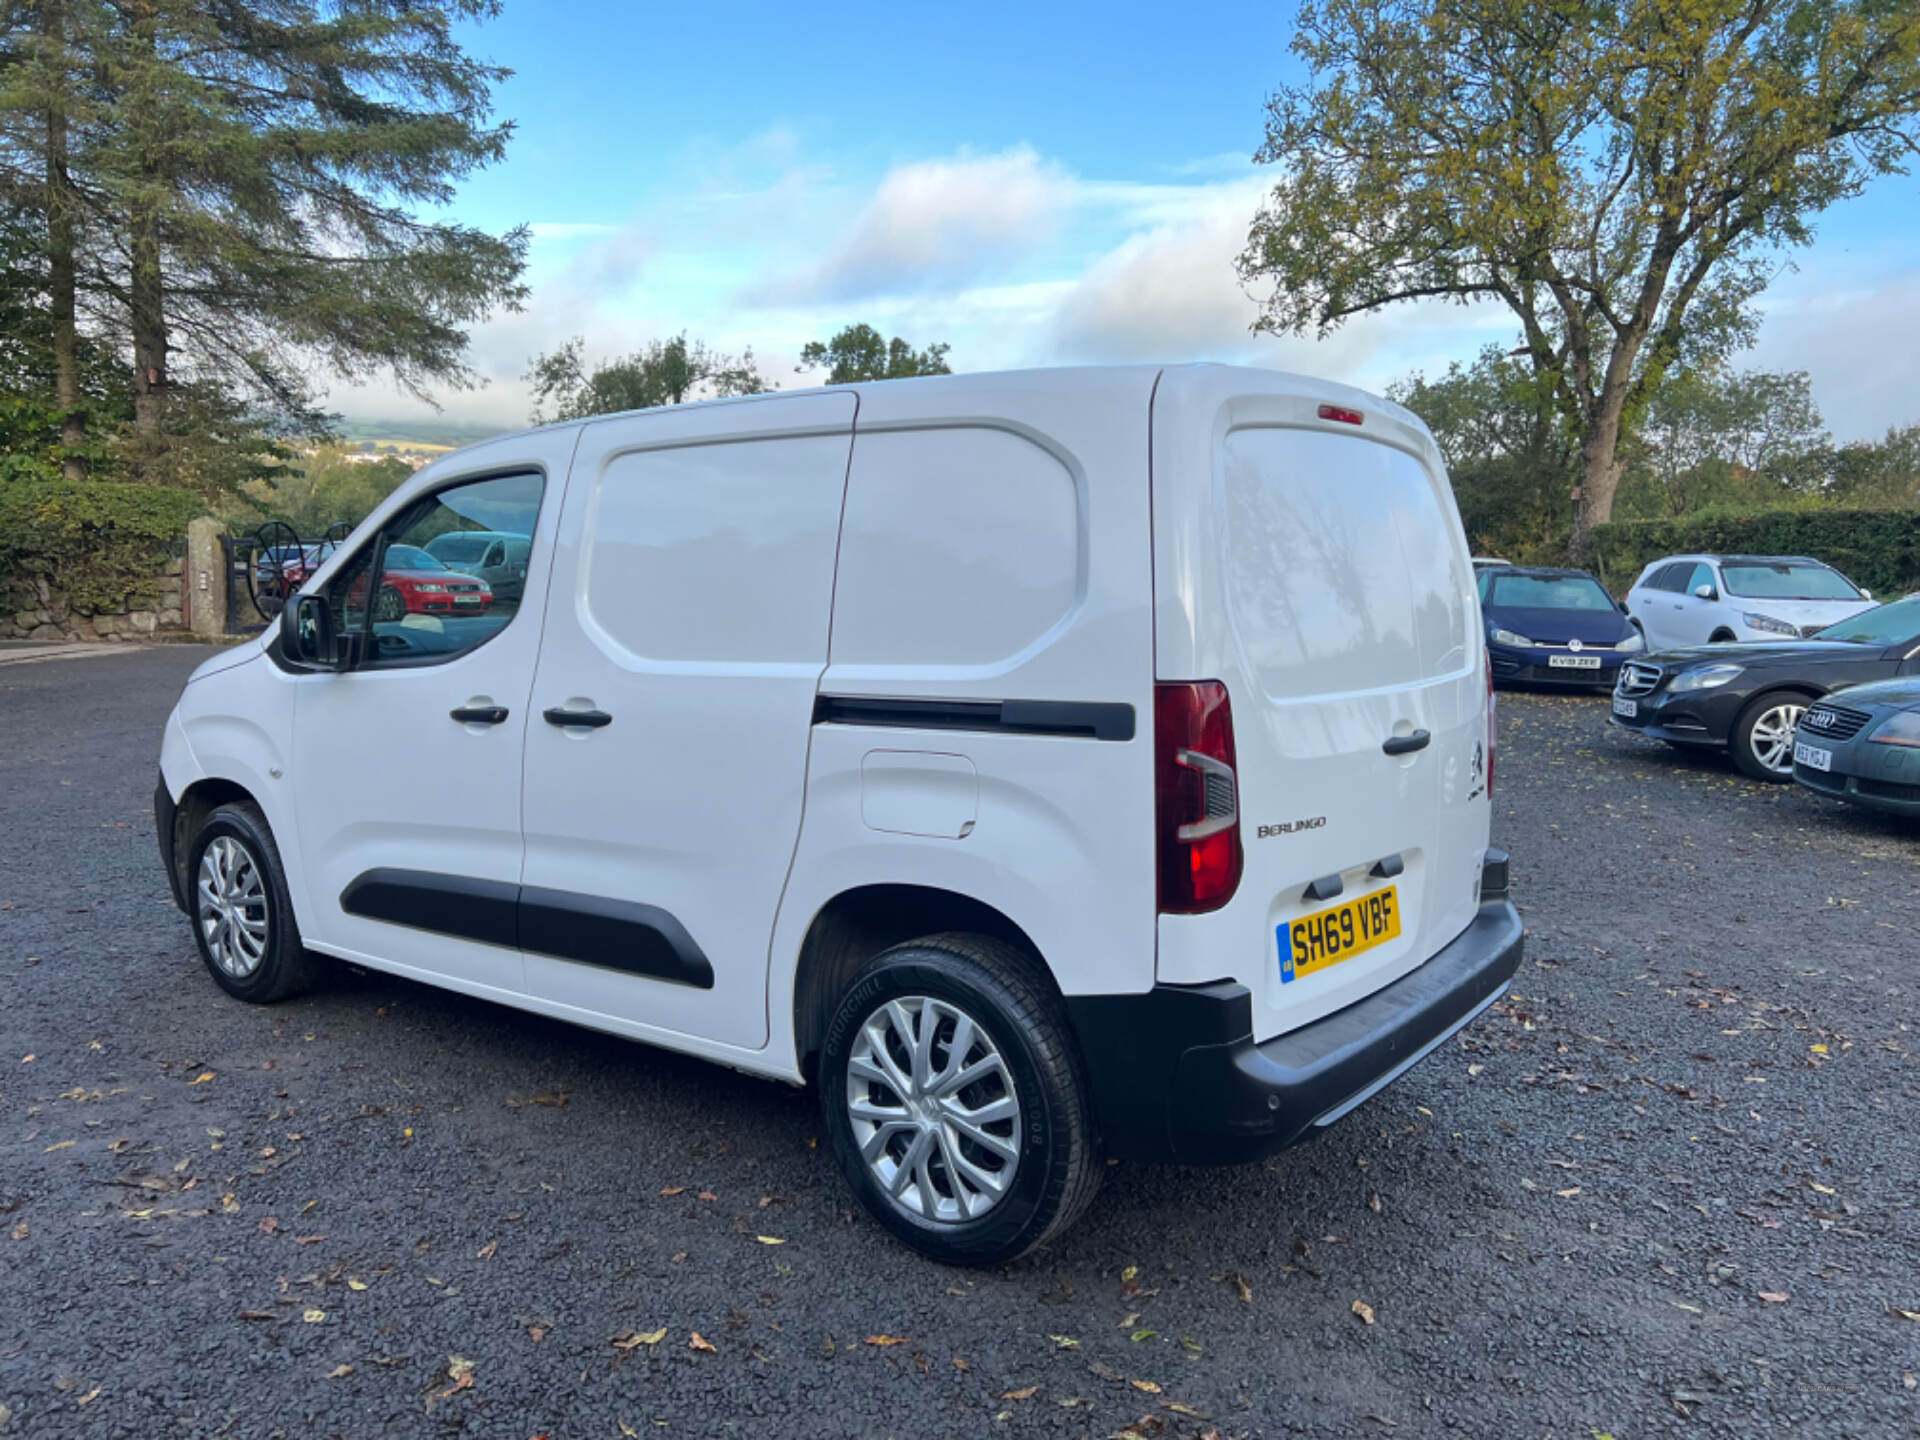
(410, 557)
(458, 549)
(1549, 592)
(1882, 625)
(1785, 580)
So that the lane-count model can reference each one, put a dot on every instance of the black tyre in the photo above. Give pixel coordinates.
(389, 606)
(1762, 738)
(953, 1095)
(242, 916)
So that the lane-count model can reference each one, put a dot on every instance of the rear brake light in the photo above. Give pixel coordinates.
(1493, 725)
(1342, 414)
(1196, 796)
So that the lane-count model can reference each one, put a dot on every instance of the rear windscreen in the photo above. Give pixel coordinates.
(1345, 568)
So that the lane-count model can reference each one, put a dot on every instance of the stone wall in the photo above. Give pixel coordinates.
(33, 609)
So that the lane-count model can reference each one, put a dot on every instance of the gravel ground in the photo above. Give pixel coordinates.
(1668, 1189)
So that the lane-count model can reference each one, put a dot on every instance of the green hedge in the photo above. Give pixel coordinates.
(1879, 549)
(102, 544)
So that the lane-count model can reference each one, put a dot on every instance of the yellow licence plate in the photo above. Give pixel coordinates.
(1326, 937)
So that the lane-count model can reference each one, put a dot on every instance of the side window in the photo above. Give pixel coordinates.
(496, 557)
(1484, 579)
(419, 606)
(1702, 575)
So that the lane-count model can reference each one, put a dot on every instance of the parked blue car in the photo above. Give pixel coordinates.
(1553, 627)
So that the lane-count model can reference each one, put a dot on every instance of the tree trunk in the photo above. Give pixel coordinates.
(147, 299)
(1599, 478)
(62, 282)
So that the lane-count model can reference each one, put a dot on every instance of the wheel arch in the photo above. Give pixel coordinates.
(196, 803)
(859, 923)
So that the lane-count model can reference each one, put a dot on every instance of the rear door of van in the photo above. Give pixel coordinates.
(1308, 554)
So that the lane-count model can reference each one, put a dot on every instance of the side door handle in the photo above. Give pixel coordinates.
(585, 719)
(479, 714)
(1407, 744)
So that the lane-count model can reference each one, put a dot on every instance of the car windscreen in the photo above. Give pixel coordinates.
(459, 549)
(1892, 624)
(1785, 580)
(1549, 592)
(410, 557)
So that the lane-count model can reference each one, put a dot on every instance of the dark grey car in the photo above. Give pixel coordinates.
(496, 556)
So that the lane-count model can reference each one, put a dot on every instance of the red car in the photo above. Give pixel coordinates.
(412, 582)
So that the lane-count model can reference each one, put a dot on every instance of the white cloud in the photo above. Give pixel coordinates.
(939, 221)
(1857, 342)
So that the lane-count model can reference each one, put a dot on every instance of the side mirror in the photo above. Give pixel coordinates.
(1866, 594)
(306, 634)
(1703, 592)
(1622, 606)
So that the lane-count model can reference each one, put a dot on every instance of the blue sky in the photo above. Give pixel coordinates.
(1034, 184)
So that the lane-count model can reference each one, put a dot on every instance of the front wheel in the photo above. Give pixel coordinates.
(953, 1096)
(1762, 739)
(242, 914)
(390, 607)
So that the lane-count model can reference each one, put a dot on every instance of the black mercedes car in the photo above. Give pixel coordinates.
(1863, 745)
(1750, 697)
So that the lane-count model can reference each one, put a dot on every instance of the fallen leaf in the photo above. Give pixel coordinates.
(28, 1059)
(308, 1239)
(314, 1317)
(769, 1240)
(1026, 1394)
(1373, 1202)
(1773, 1297)
(460, 1372)
(674, 1190)
(258, 1315)
(1065, 1342)
(339, 1372)
(270, 1225)
(88, 1398)
(885, 1340)
(1130, 1272)
(1242, 1288)
(537, 1333)
(699, 1342)
(20, 1231)
(633, 1340)
(61, 1146)
(707, 1195)
(1568, 1193)
(960, 1364)
(201, 1078)
(1127, 1322)
(1818, 1049)
(353, 1284)
(1146, 1385)
(1907, 1314)
(486, 1251)
(1364, 1311)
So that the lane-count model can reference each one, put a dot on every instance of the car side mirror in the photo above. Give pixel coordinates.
(1866, 594)
(307, 635)
(1621, 606)
(1704, 592)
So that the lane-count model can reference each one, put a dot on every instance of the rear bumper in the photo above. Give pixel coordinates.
(1177, 1076)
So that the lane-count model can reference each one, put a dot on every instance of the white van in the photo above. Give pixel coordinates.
(1051, 766)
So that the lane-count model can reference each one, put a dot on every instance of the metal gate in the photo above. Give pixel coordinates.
(265, 567)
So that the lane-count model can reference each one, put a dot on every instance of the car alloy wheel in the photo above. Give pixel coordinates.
(1771, 737)
(392, 606)
(230, 906)
(933, 1109)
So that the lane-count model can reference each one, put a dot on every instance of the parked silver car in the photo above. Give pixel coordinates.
(497, 557)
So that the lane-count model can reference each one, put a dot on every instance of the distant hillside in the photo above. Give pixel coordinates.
(437, 432)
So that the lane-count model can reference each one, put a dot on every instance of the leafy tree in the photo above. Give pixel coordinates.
(1619, 176)
(1883, 474)
(1510, 459)
(326, 486)
(861, 352)
(663, 372)
(1724, 438)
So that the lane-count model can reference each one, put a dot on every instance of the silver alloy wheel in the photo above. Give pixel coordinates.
(1771, 739)
(934, 1109)
(232, 907)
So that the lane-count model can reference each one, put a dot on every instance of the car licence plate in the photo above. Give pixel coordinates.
(1326, 937)
(1812, 756)
(466, 599)
(1573, 662)
(1626, 707)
